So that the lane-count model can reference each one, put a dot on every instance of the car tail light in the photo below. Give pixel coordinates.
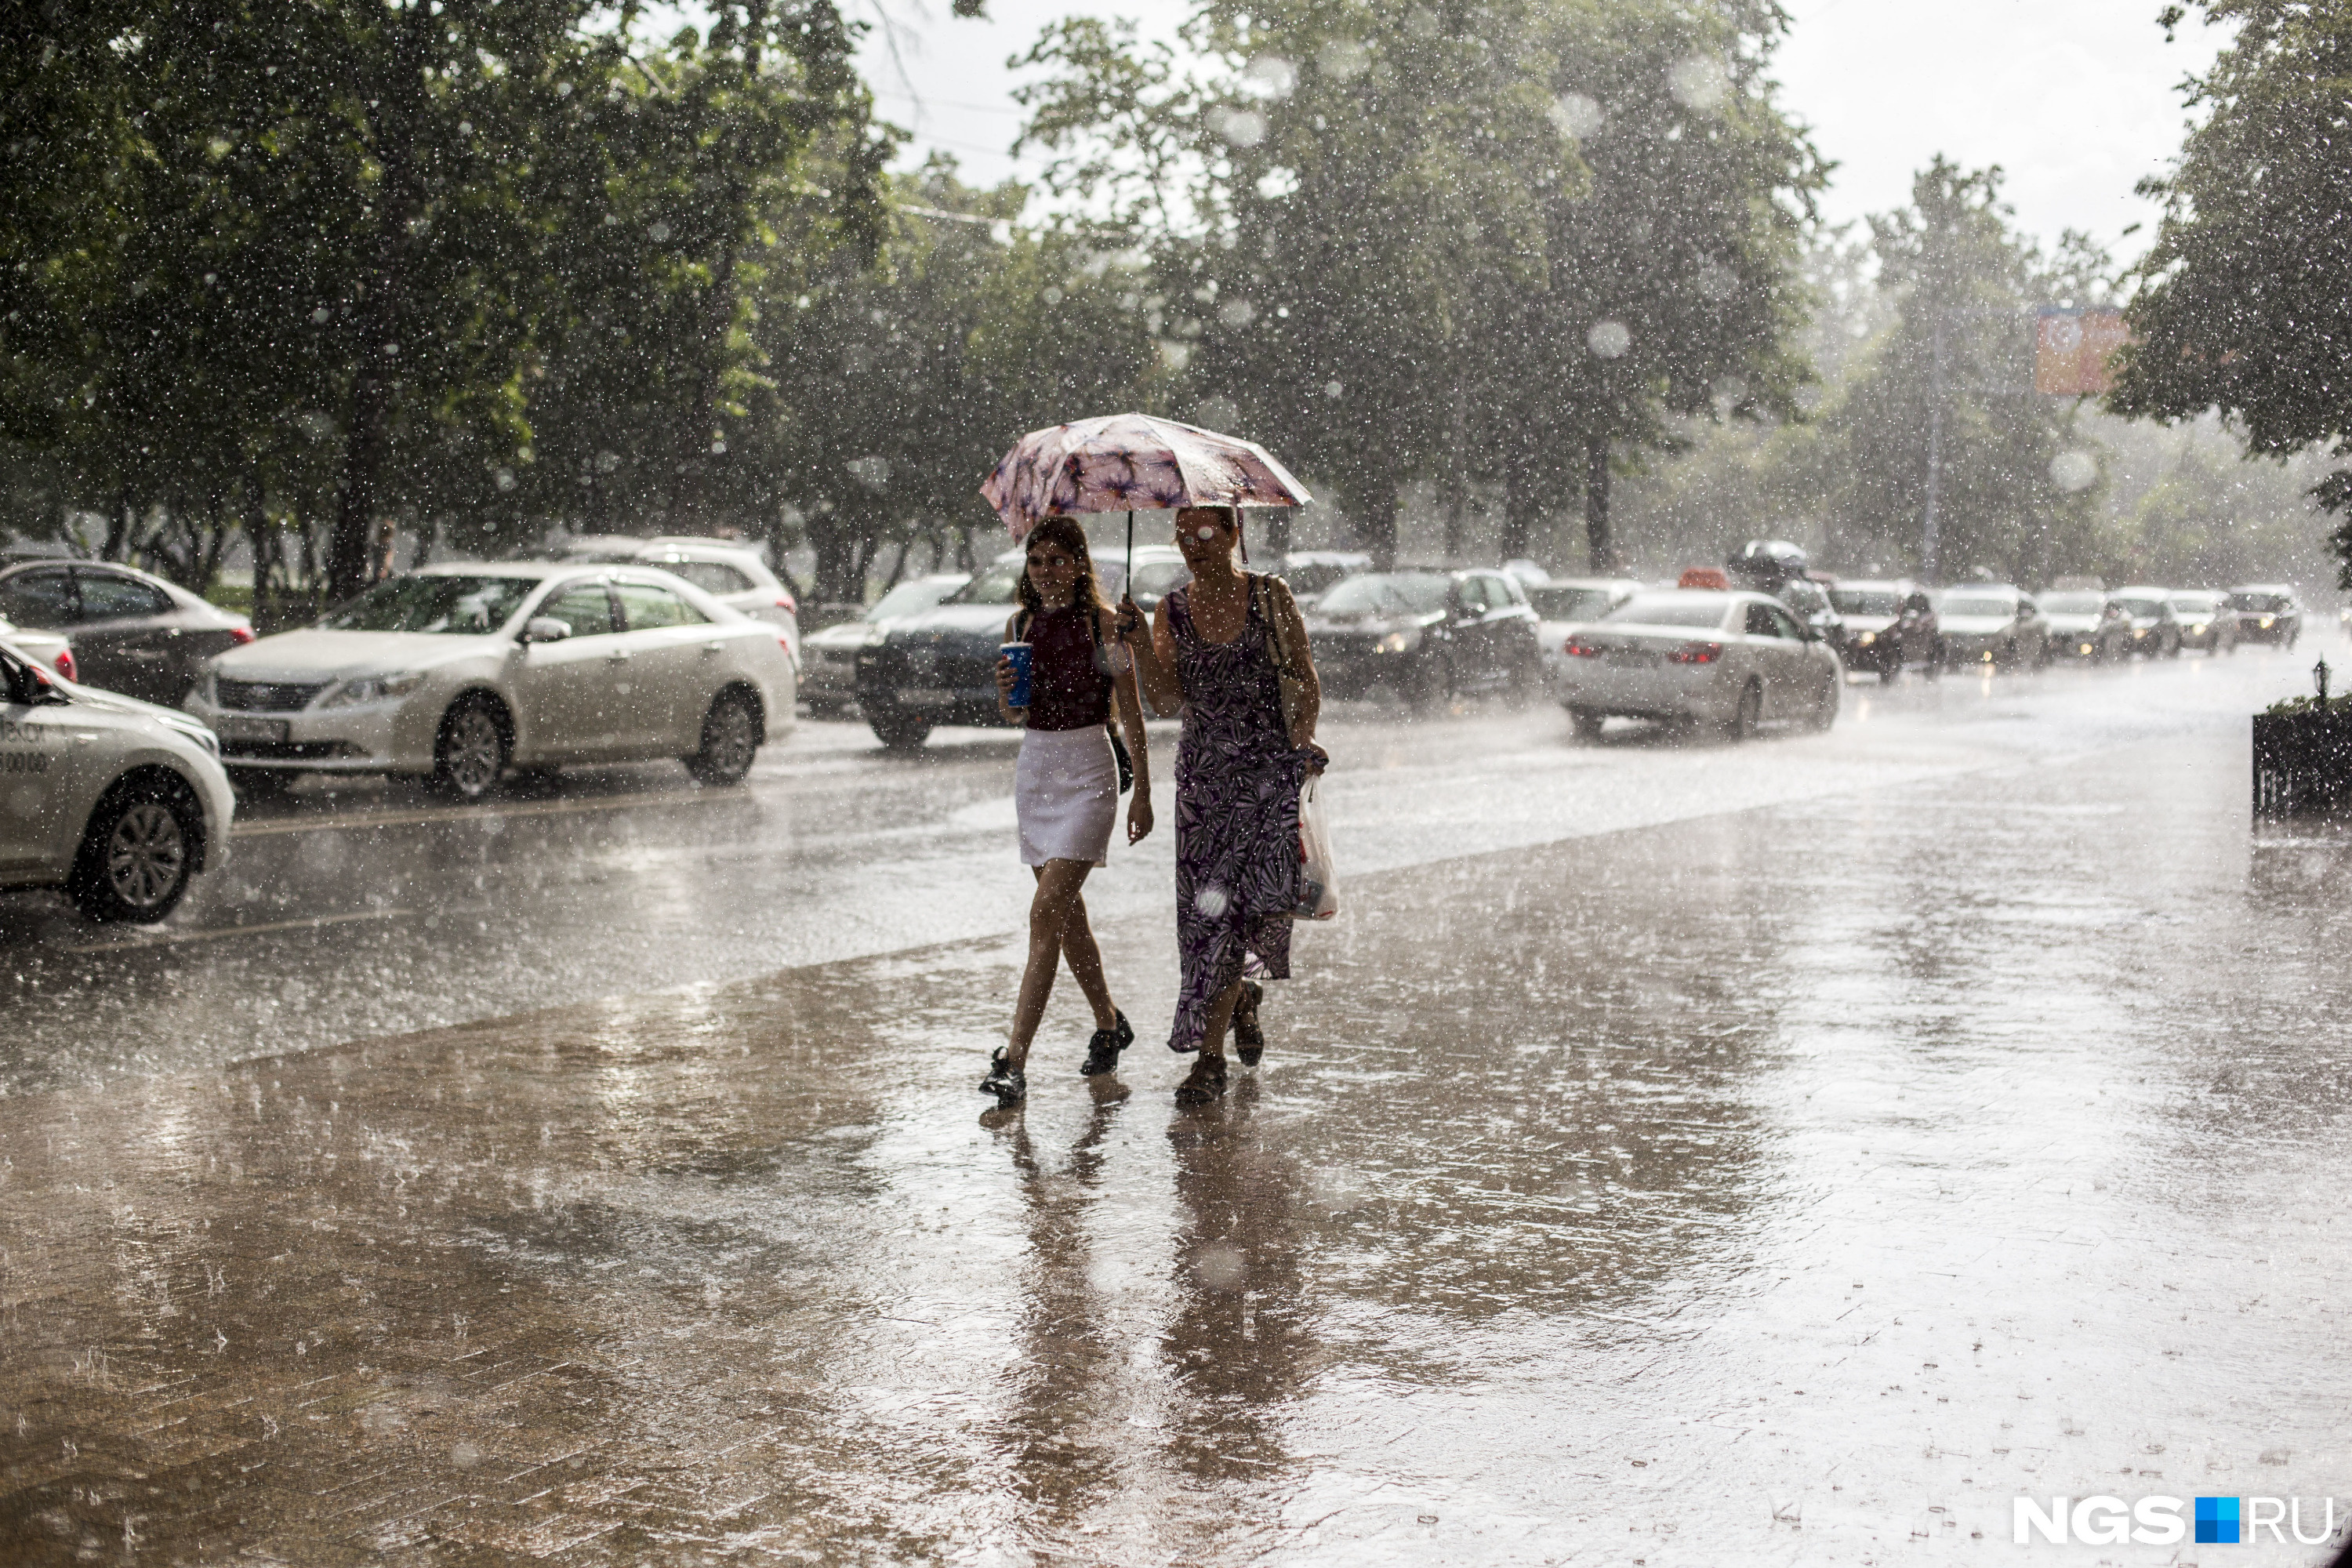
(787, 605)
(65, 665)
(240, 636)
(1696, 653)
(783, 642)
(1577, 648)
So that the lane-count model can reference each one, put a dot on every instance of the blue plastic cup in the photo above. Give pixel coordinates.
(1019, 653)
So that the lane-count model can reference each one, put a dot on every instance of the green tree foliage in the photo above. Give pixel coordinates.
(1952, 379)
(2243, 306)
(331, 263)
(904, 382)
(1391, 231)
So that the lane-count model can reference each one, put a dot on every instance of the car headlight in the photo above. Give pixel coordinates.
(1865, 640)
(2198, 630)
(200, 735)
(372, 689)
(1398, 642)
(2267, 620)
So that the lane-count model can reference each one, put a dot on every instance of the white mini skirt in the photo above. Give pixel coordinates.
(1066, 791)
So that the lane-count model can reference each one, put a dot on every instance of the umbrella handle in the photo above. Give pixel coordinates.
(1127, 585)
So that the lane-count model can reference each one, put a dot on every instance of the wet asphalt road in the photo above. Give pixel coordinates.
(1675, 1155)
(378, 910)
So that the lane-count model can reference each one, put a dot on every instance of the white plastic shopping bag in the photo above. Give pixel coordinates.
(1318, 878)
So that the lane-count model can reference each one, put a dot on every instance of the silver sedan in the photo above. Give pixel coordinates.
(1698, 655)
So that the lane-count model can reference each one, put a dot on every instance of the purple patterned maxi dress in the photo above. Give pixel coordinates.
(1237, 782)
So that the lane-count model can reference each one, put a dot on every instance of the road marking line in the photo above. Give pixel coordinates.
(171, 938)
(472, 814)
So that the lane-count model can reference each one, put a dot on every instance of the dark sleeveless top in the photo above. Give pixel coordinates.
(1068, 689)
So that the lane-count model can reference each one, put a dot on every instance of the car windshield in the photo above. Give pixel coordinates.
(462, 606)
(1313, 576)
(906, 599)
(1670, 610)
(2071, 603)
(2193, 603)
(999, 583)
(1998, 608)
(2263, 604)
(1157, 579)
(1411, 592)
(1569, 604)
(2141, 606)
(1867, 601)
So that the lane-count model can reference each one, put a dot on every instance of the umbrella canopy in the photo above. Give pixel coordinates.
(1132, 462)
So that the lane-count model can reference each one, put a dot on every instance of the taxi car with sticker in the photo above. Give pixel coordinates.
(119, 803)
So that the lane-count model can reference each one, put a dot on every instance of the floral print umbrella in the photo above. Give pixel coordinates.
(1132, 462)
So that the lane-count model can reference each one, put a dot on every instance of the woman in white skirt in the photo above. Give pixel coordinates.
(1065, 787)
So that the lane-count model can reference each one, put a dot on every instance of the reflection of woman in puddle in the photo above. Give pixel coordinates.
(1235, 1345)
(1065, 786)
(1064, 1379)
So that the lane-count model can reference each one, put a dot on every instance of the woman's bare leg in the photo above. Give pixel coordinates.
(1084, 959)
(1058, 883)
(1221, 1014)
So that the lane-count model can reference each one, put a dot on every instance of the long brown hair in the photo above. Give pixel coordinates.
(1066, 532)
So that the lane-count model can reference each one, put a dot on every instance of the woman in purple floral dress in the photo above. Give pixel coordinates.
(1213, 649)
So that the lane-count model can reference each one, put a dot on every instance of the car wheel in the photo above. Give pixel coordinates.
(895, 727)
(261, 784)
(1525, 677)
(1744, 719)
(1586, 723)
(138, 854)
(1428, 685)
(1825, 711)
(730, 740)
(471, 752)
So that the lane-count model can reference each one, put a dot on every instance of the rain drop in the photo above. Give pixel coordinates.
(1211, 900)
(1608, 339)
(1343, 60)
(2074, 471)
(1269, 76)
(1575, 115)
(1699, 81)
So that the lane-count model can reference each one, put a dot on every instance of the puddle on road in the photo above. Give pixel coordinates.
(1726, 1192)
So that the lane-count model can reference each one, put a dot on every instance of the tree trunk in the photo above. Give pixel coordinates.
(1598, 544)
(1374, 515)
(367, 434)
(1522, 506)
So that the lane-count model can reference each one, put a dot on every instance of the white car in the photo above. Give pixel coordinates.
(455, 672)
(737, 575)
(117, 801)
(1566, 605)
(1731, 658)
(43, 648)
(829, 673)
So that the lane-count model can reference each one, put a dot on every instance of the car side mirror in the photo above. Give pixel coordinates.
(544, 628)
(45, 691)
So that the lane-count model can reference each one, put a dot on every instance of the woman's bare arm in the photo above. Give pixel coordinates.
(1155, 664)
(1016, 716)
(1299, 655)
(1127, 697)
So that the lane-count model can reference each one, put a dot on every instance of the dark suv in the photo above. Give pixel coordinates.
(2267, 612)
(1426, 633)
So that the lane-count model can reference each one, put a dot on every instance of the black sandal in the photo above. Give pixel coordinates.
(1005, 1081)
(1204, 1083)
(1102, 1051)
(1249, 1040)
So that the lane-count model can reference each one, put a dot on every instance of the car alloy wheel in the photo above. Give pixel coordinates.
(146, 855)
(730, 740)
(473, 753)
(136, 862)
(1748, 715)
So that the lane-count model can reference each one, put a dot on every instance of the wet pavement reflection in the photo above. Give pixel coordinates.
(1793, 1183)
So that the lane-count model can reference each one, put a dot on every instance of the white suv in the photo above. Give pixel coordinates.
(117, 801)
